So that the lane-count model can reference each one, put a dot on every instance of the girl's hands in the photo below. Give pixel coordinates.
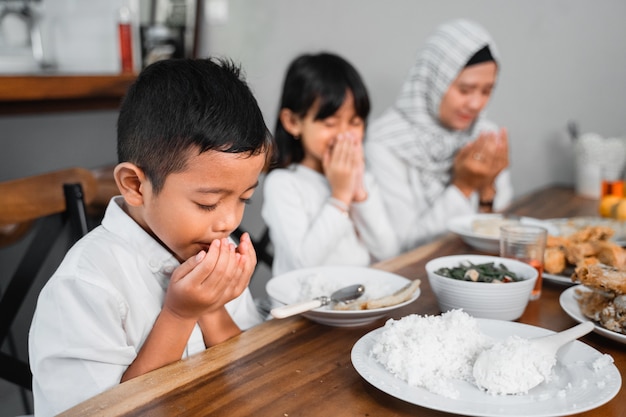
(207, 281)
(478, 163)
(360, 193)
(344, 167)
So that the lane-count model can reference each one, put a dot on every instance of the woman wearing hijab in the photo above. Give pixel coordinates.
(433, 154)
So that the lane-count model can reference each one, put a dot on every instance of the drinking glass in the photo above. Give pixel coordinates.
(612, 182)
(527, 244)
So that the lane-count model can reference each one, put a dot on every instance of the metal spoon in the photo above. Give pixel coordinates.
(345, 295)
(500, 374)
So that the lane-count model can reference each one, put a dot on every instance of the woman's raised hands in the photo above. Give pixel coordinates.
(478, 163)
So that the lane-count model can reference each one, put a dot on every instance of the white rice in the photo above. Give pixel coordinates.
(434, 352)
(512, 367)
(431, 351)
(602, 362)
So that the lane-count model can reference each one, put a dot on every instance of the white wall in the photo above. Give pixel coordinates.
(561, 60)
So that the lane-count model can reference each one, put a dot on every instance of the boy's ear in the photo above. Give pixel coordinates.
(131, 181)
(291, 122)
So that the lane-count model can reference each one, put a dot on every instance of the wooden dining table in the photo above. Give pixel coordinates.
(296, 367)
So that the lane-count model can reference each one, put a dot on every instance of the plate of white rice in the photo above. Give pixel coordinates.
(428, 361)
(308, 283)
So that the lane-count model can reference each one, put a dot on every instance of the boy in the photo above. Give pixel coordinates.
(159, 279)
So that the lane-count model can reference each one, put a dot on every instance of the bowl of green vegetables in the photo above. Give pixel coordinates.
(483, 286)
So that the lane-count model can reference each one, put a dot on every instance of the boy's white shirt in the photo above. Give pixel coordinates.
(306, 230)
(98, 308)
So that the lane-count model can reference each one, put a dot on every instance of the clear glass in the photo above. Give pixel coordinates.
(612, 182)
(527, 244)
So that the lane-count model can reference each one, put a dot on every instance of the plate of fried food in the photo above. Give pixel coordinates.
(569, 225)
(384, 293)
(600, 297)
(579, 243)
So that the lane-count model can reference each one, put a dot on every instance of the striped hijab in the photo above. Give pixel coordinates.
(411, 127)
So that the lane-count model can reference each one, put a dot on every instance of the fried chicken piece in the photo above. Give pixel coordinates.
(577, 252)
(611, 254)
(591, 260)
(605, 308)
(591, 234)
(592, 303)
(613, 316)
(556, 241)
(554, 260)
(601, 277)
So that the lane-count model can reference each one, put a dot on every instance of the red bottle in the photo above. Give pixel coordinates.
(126, 40)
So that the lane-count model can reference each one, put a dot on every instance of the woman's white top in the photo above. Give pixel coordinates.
(411, 153)
(414, 219)
(306, 230)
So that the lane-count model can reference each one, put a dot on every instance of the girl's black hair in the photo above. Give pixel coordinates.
(323, 76)
(179, 106)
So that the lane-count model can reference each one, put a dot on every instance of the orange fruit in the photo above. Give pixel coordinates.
(620, 210)
(608, 205)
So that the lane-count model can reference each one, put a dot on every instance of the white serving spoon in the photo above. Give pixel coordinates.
(345, 295)
(517, 365)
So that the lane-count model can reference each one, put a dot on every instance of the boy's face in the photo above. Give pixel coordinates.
(203, 203)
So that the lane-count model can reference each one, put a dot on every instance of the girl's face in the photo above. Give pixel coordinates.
(467, 96)
(318, 135)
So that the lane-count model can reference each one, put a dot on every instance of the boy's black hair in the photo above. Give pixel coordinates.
(179, 106)
(324, 76)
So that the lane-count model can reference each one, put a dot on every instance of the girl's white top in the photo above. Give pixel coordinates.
(306, 230)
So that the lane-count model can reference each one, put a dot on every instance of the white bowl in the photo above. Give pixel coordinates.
(482, 299)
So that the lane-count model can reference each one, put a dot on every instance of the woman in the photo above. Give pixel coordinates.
(432, 153)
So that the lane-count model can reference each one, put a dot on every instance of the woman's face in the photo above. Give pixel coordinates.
(467, 96)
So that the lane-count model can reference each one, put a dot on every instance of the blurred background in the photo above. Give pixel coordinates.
(562, 61)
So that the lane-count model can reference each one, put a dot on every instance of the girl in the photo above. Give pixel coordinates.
(321, 206)
(435, 154)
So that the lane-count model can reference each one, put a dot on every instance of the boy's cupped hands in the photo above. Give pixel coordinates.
(207, 281)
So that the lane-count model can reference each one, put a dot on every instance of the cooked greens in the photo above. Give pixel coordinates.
(486, 272)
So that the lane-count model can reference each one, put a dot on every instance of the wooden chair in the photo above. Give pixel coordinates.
(41, 205)
(107, 188)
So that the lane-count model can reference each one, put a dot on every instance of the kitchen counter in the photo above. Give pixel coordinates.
(57, 93)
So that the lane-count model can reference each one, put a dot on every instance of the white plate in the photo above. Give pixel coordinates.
(569, 225)
(570, 306)
(589, 389)
(288, 288)
(561, 279)
(462, 226)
